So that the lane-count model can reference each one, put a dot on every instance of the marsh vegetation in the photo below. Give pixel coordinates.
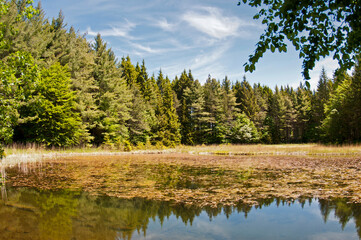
(127, 195)
(226, 174)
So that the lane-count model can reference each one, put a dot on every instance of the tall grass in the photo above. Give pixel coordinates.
(17, 153)
(259, 149)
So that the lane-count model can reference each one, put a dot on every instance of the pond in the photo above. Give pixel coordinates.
(181, 196)
(27, 213)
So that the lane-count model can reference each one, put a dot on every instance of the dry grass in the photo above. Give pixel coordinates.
(281, 149)
(226, 148)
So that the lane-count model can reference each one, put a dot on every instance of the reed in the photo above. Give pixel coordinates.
(33, 152)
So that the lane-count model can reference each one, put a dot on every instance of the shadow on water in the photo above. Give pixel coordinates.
(31, 214)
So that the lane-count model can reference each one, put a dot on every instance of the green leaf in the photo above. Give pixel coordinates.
(308, 85)
(246, 68)
(273, 48)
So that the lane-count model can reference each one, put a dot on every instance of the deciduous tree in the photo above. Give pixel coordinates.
(316, 28)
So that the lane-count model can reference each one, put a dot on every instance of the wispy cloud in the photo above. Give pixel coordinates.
(147, 49)
(115, 31)
(208, 61)
(213, 22)
(209, 57)
(165, 25)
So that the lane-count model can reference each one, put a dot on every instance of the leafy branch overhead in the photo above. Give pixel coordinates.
(316, 28)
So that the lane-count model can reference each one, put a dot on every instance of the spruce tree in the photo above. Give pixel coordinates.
(354, 104)
(142, 78)
(342, 122)
(138, 123)
(263, 94)
(246, 98)
(303, 108)
(179, 86)
(215, 131)
(55, 49)
(80, 60)
(198, 115)
(229, 107)
(129, 72)
(321, 97)
(277, 116)
(336, 124)
(167, 129)
(290, 99)
(113, 97)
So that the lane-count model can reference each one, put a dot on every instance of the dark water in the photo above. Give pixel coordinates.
(31, 214)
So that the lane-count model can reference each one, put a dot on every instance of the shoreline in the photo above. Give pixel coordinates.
(33, 154)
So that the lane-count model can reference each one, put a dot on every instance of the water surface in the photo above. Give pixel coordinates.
(32, 214)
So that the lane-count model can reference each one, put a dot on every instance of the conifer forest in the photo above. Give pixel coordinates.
(59, 89)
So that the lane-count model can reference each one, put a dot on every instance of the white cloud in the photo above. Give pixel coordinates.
(214, 23)
(330, 66)
(147, 49)
(165, 25)
(119, 31)
(208, 58)
(207, 62)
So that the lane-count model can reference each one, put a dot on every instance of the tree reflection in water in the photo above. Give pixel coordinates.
(28, 213)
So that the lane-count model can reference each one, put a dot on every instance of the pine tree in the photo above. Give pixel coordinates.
(55, 49)
(277, 117)
(354, 104)
(263, 94)
(142, 78)
(167, 129)
(140, 110)
(198, 115)
(113, 97)
(245, 98)
(321, 97)
(23, 34)
(138, 123)
(290, 99)
(303, 108)
(129, 72)
(80, 60)
(152, 98)
(183, 105)
(229, 107)
(215, 131)
(342, 122)
(336, 125)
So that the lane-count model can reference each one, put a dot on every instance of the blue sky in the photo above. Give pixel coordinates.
(209, 37)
